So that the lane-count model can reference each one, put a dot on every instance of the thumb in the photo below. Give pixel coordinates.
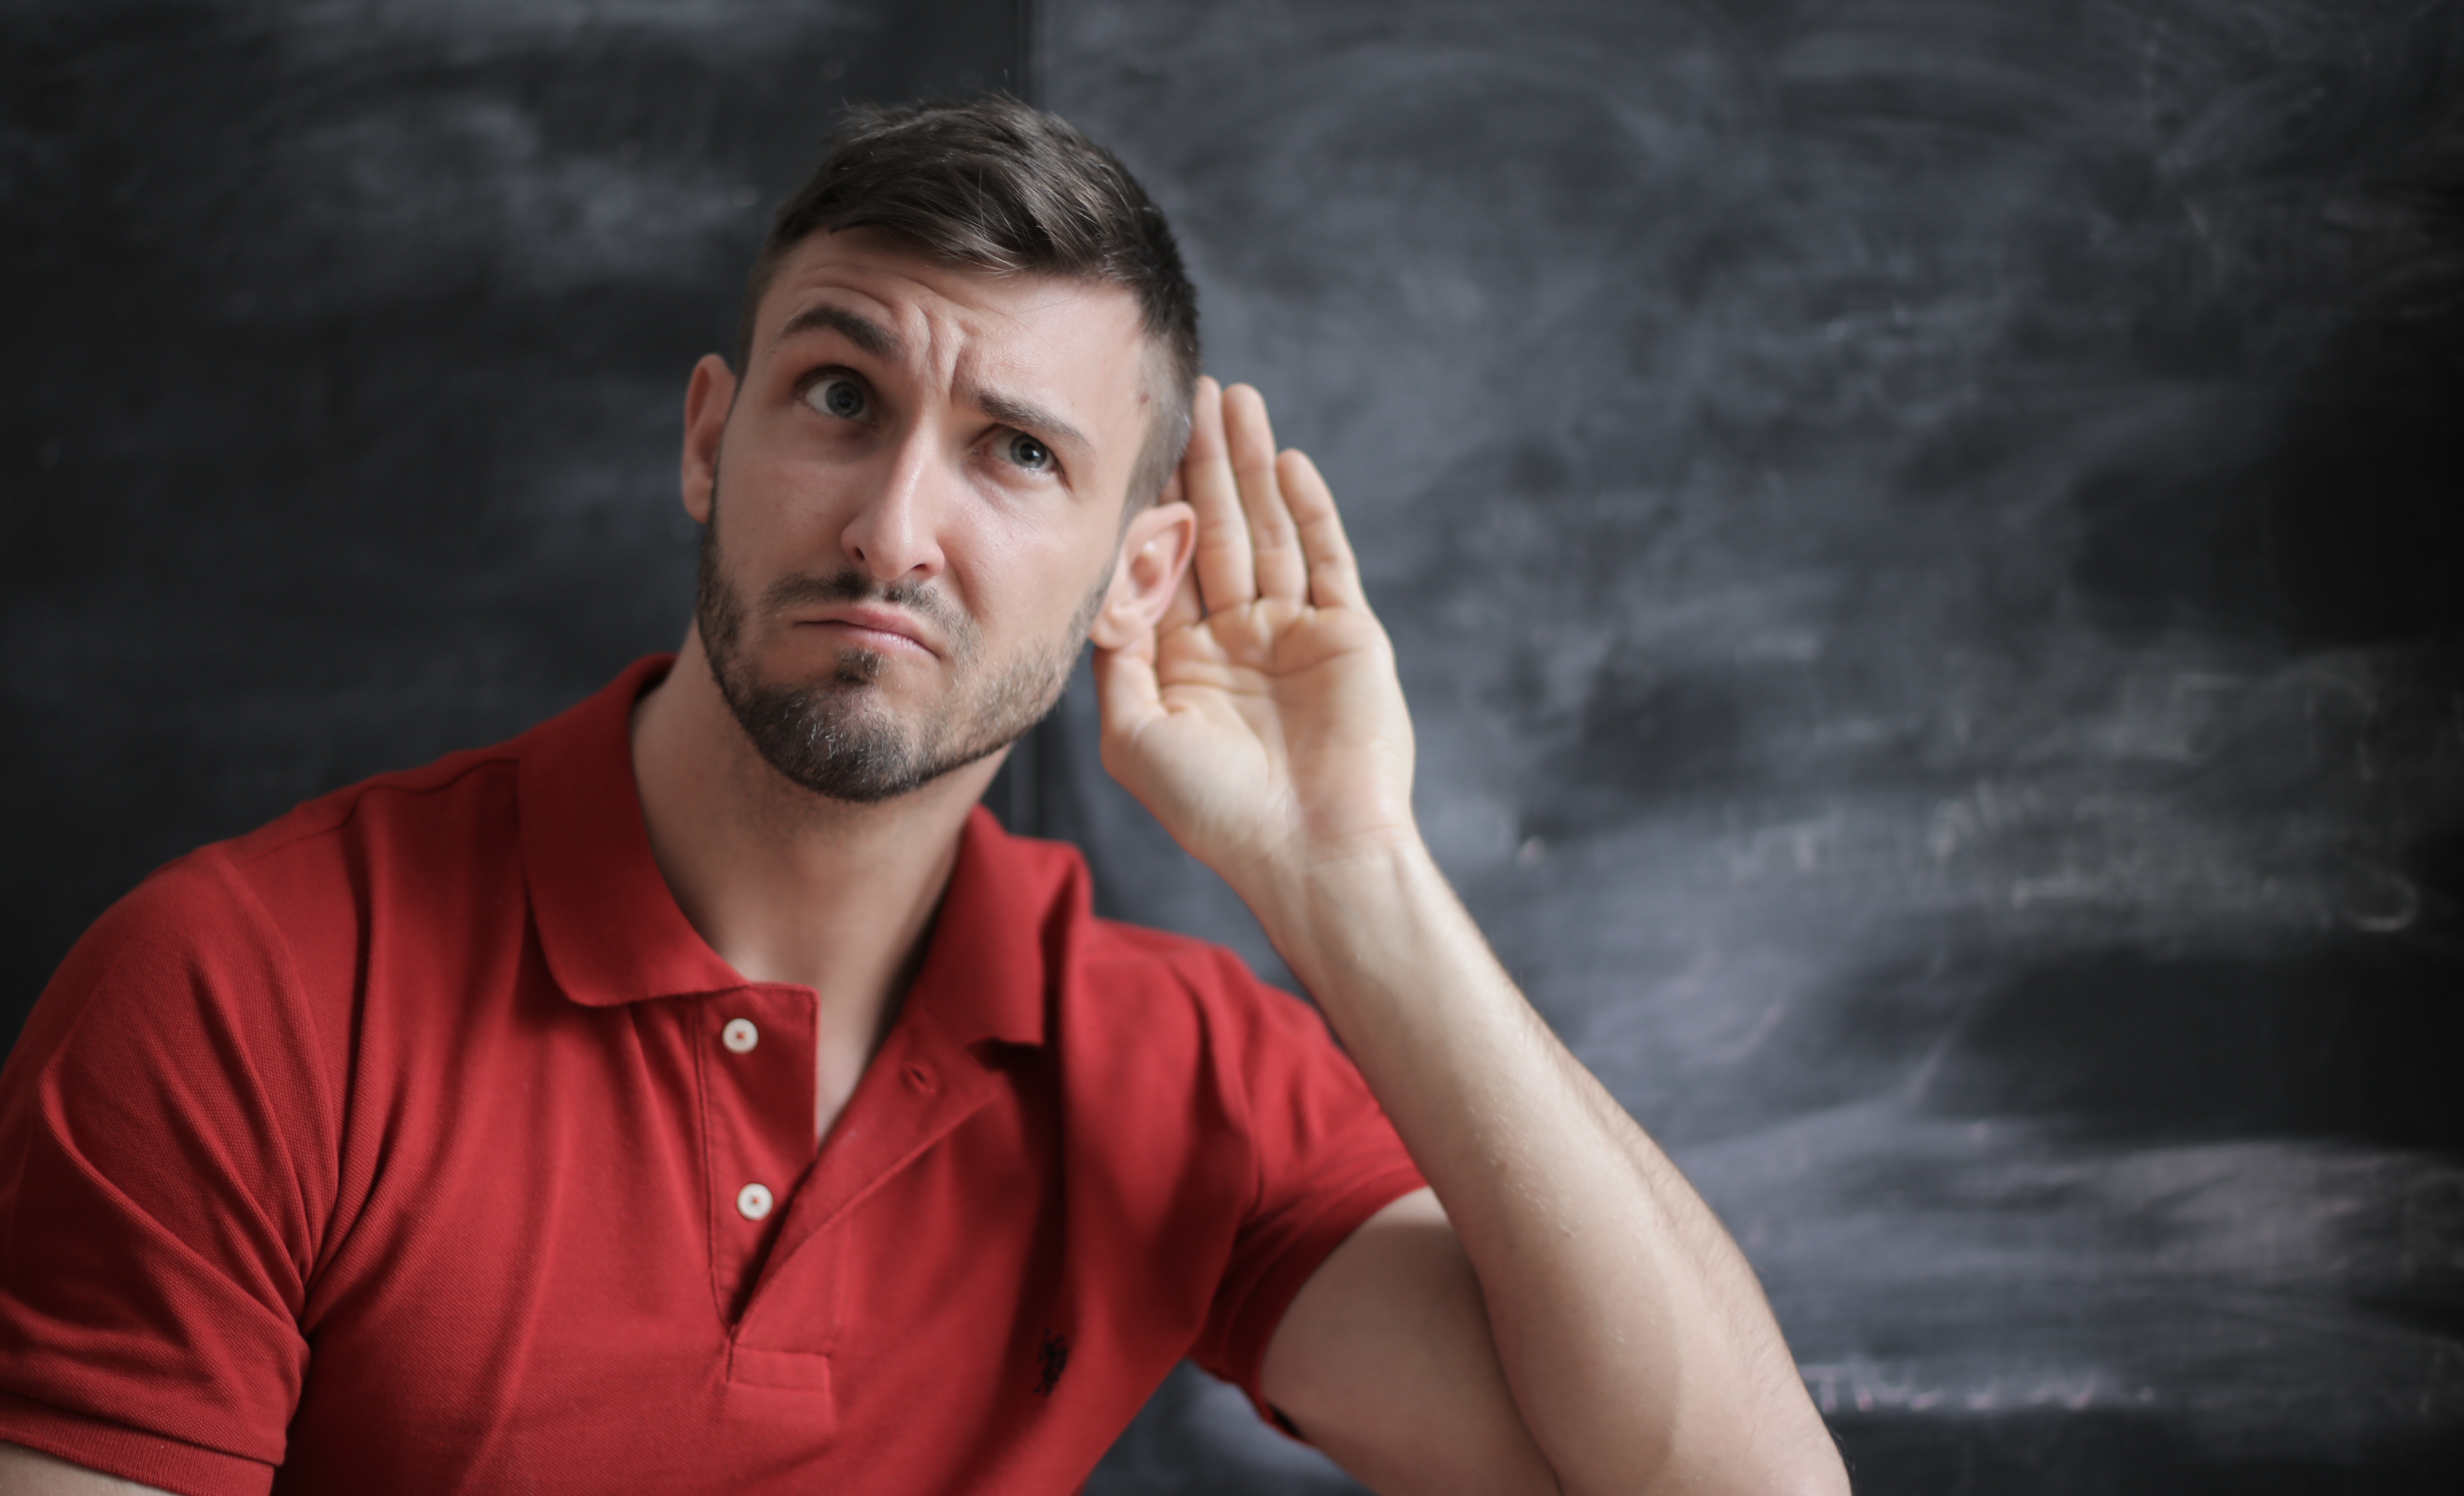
(1128, 698)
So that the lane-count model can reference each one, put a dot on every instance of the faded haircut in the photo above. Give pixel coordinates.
(1003, 187)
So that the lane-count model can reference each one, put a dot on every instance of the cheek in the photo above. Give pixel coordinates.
(778, 516)
(1034, 577)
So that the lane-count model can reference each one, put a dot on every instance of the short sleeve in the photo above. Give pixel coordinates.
(161, 1126)
(1326, 1159)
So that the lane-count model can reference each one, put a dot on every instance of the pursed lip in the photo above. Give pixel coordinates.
(875, 627)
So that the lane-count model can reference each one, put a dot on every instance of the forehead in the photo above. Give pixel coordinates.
(943, 315)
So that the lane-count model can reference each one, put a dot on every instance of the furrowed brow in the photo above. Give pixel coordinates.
(865, 334)
(1029, 416)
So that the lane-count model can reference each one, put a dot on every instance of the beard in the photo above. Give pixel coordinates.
(834, 736)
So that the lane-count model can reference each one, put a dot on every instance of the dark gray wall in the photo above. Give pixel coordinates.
(1927, 540)
(1922, 537)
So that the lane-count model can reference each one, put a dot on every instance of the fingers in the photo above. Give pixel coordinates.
(1274, 544)
(1226, 577)
(1267, 522)
(1130, 701)
(1334, 575)
(1249, 546)
(1127, 688)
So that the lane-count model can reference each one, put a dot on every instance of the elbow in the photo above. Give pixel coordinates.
(1768, 1462)
(1792, 1467)
(1817, 1470)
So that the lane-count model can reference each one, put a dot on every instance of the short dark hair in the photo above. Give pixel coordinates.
(1002, 186)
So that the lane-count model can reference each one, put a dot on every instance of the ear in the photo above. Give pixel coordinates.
(1155, 551)
(707, 397)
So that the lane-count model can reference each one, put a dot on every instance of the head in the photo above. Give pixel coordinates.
(1006, 188)
(963, 380)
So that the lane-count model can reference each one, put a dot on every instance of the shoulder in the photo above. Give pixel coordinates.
(1106, 965)
(1167, 1004)
(472, 791)
(1124, 960)
(240, 933)
(1032, 901)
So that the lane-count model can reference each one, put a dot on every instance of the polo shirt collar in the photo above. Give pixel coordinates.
(613, 933)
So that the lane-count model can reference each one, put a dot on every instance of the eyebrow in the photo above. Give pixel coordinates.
(883, 343)
(1028, 416)
(870, 336)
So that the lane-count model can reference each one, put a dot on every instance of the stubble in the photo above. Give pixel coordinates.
(835, 736)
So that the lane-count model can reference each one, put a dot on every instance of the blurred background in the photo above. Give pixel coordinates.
(1924, 535)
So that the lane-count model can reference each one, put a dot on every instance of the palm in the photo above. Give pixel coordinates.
(1263, 717)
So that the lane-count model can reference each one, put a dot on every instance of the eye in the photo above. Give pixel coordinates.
(1029, 453)
(840, 395)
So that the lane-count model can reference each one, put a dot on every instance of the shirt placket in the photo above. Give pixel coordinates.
(920, 1087)
(755, 1049)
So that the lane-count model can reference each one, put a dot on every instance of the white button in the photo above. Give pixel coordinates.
(739, 1035)
(753, 1202)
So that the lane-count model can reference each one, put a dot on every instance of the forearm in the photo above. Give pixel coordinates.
(30, 1472)
(1636, 1340)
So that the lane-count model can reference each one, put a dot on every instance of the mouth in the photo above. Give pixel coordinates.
(885, 630)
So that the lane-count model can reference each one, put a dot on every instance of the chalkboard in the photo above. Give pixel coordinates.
(1926, 541)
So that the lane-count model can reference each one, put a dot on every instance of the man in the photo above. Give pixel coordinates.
(699, 1094)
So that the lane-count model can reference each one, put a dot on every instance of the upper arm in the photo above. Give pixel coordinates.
(167, 1175)
(27, 1472)
(1385, 1361)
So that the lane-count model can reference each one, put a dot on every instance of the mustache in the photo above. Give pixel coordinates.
(925, 600)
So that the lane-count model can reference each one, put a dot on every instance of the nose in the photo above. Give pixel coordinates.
(895, 534)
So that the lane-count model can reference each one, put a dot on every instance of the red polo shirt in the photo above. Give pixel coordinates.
(417, 1143)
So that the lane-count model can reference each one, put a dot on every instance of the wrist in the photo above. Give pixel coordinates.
(1300, 871)
(1333, 908)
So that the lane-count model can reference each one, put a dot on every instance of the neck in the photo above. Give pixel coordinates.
(785, 885)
